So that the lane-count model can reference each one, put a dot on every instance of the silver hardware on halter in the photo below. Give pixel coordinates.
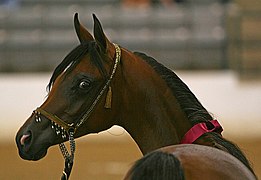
(59, 130)
(71, 128)
(38, 119)
(37, 116)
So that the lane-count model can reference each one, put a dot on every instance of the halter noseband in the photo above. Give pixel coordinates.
(64, 128)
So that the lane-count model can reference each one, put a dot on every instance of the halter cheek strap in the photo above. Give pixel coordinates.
(68, 129)
(199, 129)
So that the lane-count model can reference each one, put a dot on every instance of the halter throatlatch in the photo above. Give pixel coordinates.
(65, 129)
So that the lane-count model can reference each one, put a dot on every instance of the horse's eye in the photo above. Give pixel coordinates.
(84, 84)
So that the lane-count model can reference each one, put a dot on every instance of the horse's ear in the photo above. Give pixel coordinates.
(99, 35)
(81, 31)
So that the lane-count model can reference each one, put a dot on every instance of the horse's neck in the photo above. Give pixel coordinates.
(151, 113)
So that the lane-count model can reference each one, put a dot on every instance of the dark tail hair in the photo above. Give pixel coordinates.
(157, 165)
(231, 148)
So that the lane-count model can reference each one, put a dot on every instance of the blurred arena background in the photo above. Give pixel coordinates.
(213, 45)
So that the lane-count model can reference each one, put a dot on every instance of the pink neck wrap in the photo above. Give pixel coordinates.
(199, 129)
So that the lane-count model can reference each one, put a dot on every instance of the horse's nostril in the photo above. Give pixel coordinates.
(26, 139)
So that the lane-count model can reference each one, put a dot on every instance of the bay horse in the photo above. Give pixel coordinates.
(188, 161)
(100, 84)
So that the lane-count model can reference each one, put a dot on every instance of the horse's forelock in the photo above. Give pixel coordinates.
(74, 58)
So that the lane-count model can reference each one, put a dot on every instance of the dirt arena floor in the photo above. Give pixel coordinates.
(96, 159)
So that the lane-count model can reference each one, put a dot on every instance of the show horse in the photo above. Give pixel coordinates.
(99, 84)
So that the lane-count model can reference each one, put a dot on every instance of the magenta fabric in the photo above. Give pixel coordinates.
(198, 130)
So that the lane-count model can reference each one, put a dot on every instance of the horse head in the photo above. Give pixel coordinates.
(75, 90)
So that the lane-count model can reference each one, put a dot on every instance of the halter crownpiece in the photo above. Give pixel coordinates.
(65, 129)
(109, 93)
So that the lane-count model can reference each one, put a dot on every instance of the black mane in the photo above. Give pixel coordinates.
(195, 112)
(193, 109)
(157, 165)
(75, 56)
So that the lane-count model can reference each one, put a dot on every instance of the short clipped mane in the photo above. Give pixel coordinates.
(74, 57)
(193, 109)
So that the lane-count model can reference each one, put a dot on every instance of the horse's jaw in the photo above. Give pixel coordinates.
(33, 157)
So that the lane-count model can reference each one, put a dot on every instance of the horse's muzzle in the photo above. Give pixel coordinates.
(24, 142)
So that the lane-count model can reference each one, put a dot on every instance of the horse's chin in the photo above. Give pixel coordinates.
(33, 156)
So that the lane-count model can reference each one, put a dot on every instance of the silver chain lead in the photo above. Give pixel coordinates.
(69, 157)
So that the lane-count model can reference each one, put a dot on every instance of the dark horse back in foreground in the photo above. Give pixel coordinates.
(188, 161)
(99, 84)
